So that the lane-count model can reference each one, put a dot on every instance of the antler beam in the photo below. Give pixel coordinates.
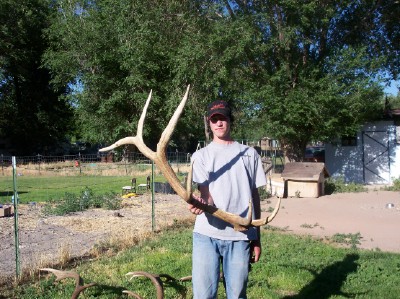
(79, 284)
(160, 159)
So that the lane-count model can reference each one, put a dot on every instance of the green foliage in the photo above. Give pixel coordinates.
(297, 72)
(349, 239)
(35, 117)
(395, 186)
(338, 185)
(264, 193)
(118, 52)
(85, 200)
(291, 267)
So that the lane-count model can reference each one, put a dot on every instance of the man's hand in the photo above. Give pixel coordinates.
(193, 209)
(255, 251)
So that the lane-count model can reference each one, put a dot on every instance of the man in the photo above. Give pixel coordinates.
(228, 175)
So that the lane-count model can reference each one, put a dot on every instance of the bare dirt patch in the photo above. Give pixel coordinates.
(366, 213)
(50, 240)
(47, 240)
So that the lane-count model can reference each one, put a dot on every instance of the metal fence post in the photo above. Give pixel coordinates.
(16, 238)
(153, 220)
(80, 162)
(39, 161)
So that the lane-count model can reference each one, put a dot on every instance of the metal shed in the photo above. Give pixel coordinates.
(373, 156)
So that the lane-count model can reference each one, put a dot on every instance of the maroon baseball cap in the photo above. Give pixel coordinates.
(219, 107)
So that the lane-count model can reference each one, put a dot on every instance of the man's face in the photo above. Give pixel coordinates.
(220, 126)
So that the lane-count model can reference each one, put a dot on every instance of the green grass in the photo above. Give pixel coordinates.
(291, 267)
(395, 186)
(338, 185)
(44, 188)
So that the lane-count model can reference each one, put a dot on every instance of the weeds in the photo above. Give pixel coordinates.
(264, 193)
(395, 186)
(305, 225)
(338, 185)
(349, 239)
(85, 200)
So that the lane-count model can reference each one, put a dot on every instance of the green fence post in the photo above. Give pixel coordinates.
(39, 160)
(80, 162)
(16, 238)
(153, 220)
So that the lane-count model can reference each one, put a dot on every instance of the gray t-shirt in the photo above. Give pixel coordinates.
(231, 172)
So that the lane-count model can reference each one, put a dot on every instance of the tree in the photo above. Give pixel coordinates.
(299, 72)
(311, 69)
(35, 118)
(119, 51)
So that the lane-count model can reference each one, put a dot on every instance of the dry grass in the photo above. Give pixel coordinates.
(68, 168)
(107, 233)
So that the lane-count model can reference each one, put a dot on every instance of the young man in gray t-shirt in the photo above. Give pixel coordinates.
(228, 175)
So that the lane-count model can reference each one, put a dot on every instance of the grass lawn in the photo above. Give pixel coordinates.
(291, 267)
(43, 188)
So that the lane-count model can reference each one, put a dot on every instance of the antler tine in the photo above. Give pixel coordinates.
(166, 135)
(260, 222)
(79, 287)
(139, 131)
(155, 279)
(138, 139)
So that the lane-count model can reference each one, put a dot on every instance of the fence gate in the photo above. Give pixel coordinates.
(376, 159)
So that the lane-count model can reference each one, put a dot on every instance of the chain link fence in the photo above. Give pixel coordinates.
(80, 171)
(40, 178)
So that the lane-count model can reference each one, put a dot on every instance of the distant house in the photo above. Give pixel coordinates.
(370, 157)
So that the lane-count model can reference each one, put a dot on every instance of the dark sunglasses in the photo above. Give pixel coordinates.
(217, 118)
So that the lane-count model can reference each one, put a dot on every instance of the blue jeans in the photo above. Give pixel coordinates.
(208, 253)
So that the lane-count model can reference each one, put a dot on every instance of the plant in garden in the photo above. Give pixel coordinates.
(79, 202)
(338, 185)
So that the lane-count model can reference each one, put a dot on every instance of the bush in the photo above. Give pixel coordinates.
(395, 187)
(338, 185)
(85, 200)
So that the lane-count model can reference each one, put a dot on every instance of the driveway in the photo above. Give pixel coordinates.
(366, 213)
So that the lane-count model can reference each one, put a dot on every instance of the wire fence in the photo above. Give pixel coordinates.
(102, 173)
(83, 164)
(40, 178)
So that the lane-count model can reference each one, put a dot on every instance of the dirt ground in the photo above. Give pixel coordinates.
(368, 213)
(45, 240)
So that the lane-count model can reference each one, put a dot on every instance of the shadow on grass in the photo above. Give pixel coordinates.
(329, 281)
(105, 290)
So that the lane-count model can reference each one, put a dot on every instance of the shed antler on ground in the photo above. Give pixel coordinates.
(79, 284)
(160, 159)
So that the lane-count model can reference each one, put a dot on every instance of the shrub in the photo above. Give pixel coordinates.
(85, 200)
(395, 186)
(338, 185)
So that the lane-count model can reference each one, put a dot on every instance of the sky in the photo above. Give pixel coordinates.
(393, 89)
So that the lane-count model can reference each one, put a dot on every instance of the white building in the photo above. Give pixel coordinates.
(371, 157)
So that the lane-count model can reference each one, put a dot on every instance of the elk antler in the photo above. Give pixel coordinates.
(79, 287)
(160, 159)
(155, 279)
